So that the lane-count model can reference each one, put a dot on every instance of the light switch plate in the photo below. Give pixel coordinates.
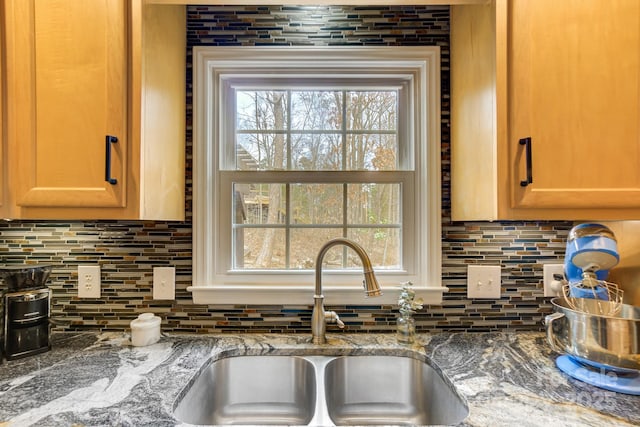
(548, 270)
(483, 281)
(164, 283)
(88, 281)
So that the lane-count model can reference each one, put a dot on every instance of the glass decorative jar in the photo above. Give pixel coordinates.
(406, 329)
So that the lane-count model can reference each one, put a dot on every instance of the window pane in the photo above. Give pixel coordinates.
(259, 203)
(261, 151)
(261, 110)
(305, 244)
(382, 246)
(372, 110)
(316, 152)
(371, 152)
(262, 248)
(316, 203)
(316, 110)
(373, 203)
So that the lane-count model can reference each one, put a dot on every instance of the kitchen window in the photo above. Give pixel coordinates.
(295, 146)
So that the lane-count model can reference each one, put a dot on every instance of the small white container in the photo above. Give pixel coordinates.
(145, 330)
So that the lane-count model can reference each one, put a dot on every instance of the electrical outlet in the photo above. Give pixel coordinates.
(164, 283)
(483, 281)
(89, 281)
(548, 270)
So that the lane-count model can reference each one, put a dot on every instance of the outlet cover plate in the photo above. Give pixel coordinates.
(483, 281)
(548, 270)
(164, 283)
(88, 281)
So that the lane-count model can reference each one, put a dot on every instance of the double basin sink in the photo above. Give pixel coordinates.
(320, 391)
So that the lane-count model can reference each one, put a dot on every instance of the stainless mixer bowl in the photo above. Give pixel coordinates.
(613, 341)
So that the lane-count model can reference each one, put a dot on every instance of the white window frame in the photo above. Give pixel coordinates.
(213, 282)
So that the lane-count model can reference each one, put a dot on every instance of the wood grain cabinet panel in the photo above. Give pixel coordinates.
(68, 91)
(567, 76)
(3, 194)
(77, 140)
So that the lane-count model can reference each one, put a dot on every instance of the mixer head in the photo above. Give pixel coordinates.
(592, 248)
(591, 252)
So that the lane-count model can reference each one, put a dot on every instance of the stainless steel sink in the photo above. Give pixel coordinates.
(263, 390)
(320, 391)
(383, 390)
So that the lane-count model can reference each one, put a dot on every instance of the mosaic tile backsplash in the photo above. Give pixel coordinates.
(127, 251)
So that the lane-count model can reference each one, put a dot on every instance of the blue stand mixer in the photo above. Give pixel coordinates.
(591, 252)
(599, 334)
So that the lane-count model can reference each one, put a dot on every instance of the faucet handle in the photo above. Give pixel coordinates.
(332, 317)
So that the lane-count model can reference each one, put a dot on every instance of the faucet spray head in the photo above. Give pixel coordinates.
(371, 286)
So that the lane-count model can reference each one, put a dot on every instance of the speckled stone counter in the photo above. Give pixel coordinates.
(88, 380)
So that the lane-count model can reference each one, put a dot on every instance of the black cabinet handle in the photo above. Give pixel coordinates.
(107, 165)
(527, 141)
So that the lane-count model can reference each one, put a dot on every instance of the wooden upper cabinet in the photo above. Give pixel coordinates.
(567, 76)
(3, 201)
(77, 144)
(68, 92)
(573, 80)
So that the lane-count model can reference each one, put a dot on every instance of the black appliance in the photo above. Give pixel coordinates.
(26, 310)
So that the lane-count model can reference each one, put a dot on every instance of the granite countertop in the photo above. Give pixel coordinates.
(101, 380)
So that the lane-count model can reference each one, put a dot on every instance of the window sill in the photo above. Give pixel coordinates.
(303, 295)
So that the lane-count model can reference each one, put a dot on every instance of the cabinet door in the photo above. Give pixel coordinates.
(67, 85)
(573, 87)
(2, 120)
